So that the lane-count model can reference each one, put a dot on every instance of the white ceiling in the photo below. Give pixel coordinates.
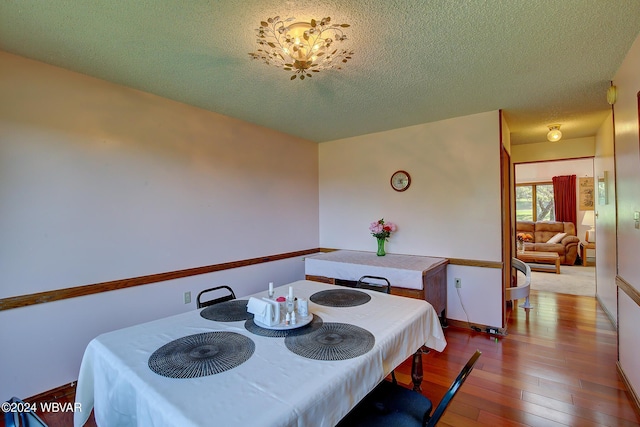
(415, 61)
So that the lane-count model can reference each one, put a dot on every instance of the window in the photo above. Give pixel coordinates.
(534, 202)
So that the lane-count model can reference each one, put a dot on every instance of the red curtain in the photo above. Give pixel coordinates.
(564, 194)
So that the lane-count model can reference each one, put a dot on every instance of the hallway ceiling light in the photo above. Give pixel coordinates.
(554, 133)
(612, 94)
(301, 47)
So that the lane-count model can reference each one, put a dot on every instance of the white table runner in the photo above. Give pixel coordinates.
(275, 387)
(403, 271)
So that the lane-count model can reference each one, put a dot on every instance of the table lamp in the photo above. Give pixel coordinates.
(589, 219)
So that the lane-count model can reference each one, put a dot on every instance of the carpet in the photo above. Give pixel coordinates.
(574, 280)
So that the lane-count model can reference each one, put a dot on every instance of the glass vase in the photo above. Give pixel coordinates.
(381, 251)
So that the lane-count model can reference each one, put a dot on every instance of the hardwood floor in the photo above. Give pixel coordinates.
(556, 367)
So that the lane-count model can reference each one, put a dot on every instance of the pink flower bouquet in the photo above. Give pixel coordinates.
(381, 229)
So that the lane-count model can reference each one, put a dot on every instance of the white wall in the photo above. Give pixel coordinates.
(44, 343)
(99, 182)
(627, 157)
(564, 149)
(607, 260)
(545, 171)
(452, 208)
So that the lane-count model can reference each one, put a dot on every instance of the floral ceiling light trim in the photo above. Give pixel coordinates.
(301, 48)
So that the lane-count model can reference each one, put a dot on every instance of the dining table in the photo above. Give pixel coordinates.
(219, 366)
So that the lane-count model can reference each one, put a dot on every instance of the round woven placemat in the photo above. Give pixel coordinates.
(200, 355)
(228, 311)
(340, 298)
(251, 326)
(332, 341)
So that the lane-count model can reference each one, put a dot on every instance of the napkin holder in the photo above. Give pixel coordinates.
(264, 311)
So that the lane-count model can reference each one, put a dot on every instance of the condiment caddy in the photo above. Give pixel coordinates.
(294, 312)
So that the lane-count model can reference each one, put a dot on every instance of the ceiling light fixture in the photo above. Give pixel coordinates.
(301, 47)
(612, 95)
(554, 133)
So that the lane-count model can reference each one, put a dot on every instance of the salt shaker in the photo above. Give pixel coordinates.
(303, 307)
(291, 301)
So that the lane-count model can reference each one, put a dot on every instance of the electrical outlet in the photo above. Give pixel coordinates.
(458, 282)
(497, 332)
(187, 297)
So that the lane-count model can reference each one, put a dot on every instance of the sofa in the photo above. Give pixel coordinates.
(542, 231)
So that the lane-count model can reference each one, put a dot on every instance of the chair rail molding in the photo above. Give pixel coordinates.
(628, 289)
(78, 291)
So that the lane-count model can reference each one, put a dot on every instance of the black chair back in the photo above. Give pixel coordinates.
(374, 283)
(394, 405)
(453, 389)
(22, 416)
(228, 296)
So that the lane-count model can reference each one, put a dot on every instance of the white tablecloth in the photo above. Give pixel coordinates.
(275, 387)
(403, 271)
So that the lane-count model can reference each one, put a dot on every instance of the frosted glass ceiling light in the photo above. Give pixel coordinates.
(301, 48)
(554, 133)
(612, 95)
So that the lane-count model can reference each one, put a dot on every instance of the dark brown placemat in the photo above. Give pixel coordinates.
(202, 354)
(332, 341)
(228, 311)
(340, 298)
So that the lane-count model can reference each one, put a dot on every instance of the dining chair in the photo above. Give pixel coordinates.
(24, 418)
(375, 283)
(394, 405)
(229, 295)
(365, 282)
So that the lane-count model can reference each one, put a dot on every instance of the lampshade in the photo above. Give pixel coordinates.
(301, 48)
(588, 219)
(554, 133)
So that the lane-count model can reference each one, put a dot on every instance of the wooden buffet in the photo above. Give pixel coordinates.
(410, 275)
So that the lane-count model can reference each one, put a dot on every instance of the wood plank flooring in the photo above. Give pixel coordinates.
(556, 367)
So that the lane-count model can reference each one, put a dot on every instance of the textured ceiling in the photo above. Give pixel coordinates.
(415, 61)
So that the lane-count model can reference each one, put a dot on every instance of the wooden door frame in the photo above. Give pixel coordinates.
(508, 223)
(508, 216)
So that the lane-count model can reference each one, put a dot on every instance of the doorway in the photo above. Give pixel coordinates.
(534, 201)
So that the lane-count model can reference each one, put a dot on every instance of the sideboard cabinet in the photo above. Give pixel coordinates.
(410, 275)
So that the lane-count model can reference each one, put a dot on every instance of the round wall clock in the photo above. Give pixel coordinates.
(400, 180)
